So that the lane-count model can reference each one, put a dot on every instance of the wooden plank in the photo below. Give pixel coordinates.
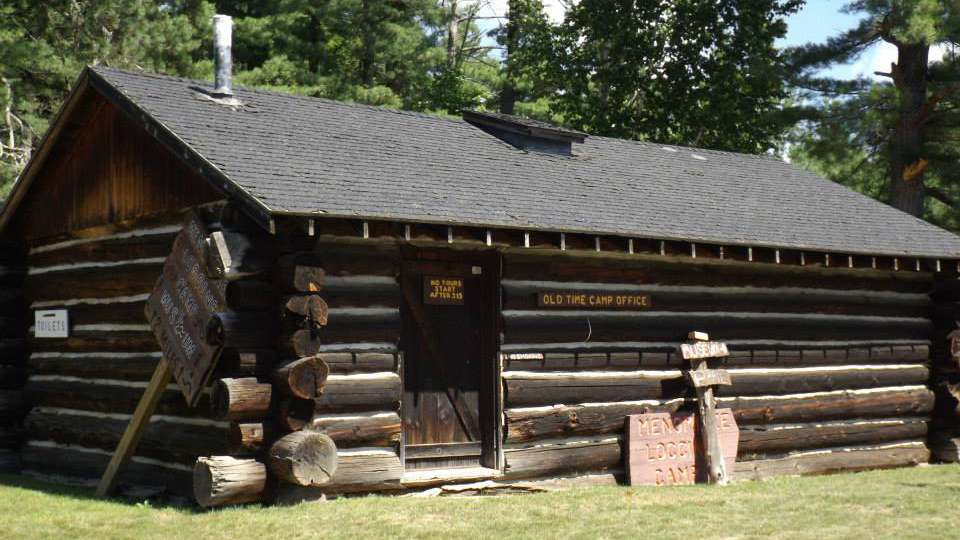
(131, 437)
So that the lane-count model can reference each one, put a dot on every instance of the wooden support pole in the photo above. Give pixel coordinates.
(706, 405)
(141, 416)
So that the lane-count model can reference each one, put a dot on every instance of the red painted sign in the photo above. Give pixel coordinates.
(662, 448)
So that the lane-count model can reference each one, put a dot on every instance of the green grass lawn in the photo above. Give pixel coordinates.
(921, 502)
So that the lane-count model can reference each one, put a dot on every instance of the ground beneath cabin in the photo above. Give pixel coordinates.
(922, 502)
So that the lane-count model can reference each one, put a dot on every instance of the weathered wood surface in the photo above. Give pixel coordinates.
(373, 392)
(303, 458)
(98, 341)
(784, 438)
(361, 362)
(124, 311)
(789, 299)
(361, 469)
(293, 414)
(838, 460)
(122, 280)
(348, 431)
(241, 399)
(361, 291)
(354, 326)
(105, 397)
(223, 480)
(89, 464)
(523, 389)
(945, 446)
(310, 308)
(300, 272)
(108, 249)
(246, 363)
(529, 424)
(664, 326)
(884, 402)
(127, 368)
(574, 456)
(660, 357)
(248, 438)
(232, 255)
(303, 378)
(163, 439)
(573, 268)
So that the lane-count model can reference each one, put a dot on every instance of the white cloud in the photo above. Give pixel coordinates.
(881, 55)
(498, 8)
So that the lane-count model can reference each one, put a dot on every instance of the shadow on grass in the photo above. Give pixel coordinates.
(930, 485)
(158, 501)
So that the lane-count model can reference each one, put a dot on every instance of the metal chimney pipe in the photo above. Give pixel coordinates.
(222, 58)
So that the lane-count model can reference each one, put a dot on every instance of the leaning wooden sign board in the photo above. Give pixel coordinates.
(178, 309)
(662, 448)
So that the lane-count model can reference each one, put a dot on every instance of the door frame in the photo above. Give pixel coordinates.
(418, 260)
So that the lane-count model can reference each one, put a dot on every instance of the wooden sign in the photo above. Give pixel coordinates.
(703, 349)
(513, 357)
(443, 290)
(178, 309)
(662, 448)
(51, 323)
(593, 300)
(708, 377)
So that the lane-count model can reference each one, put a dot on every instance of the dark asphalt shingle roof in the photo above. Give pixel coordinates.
(307, 155)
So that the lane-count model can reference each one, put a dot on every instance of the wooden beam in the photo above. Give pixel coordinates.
(141, 416)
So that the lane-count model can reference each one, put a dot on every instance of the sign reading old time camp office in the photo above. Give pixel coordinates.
(593, 300)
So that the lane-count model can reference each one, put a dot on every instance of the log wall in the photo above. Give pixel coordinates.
(829, 367)
(13, 353)
(83, 389)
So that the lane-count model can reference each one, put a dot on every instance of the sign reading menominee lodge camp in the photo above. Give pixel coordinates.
(662, 447)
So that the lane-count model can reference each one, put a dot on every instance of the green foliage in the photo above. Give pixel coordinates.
(692, 72)
(895, 139)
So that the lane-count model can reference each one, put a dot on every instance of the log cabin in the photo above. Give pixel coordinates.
(399, 300)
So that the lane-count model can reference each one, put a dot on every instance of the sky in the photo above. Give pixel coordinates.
(815, 22)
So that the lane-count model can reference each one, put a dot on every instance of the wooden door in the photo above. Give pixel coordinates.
(449, 314)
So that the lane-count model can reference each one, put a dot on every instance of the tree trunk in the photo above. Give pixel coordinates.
(906, 142)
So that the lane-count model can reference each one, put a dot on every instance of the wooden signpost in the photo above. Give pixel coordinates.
(703, 380)
(182, 303)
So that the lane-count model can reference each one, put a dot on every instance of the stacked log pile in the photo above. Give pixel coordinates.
(13, 327)
(309, 382)
(829, 367)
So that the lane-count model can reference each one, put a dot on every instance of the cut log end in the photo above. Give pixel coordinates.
(240, 399)
(223, 480)
(303, 458)
(303, 378)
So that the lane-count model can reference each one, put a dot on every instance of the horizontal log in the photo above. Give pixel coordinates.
(88, 464)
(163, 439)
(246, 330)
(246, 363)
(343, 260)
(248, 438)
(9, 462)
(563, 457)
(302, 378)
(361, 469)
(93, 282)
(126, 311)
(535, 388)
(98, 341)
(344, 326)
(945, 447)
(223, 480)
(240, 399)
(303, 458)
(136, 367)
(303, 309)
(361, 362)
(881, 402)
(524, 425)
(301, 272)
(147, 245)
(524, 295)
(349, 431)
(571, 267)
(529, 424)
(366, 392)
(570, 326)
(839, 460)
(782, 439)
(361, 291)
(105, 396)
